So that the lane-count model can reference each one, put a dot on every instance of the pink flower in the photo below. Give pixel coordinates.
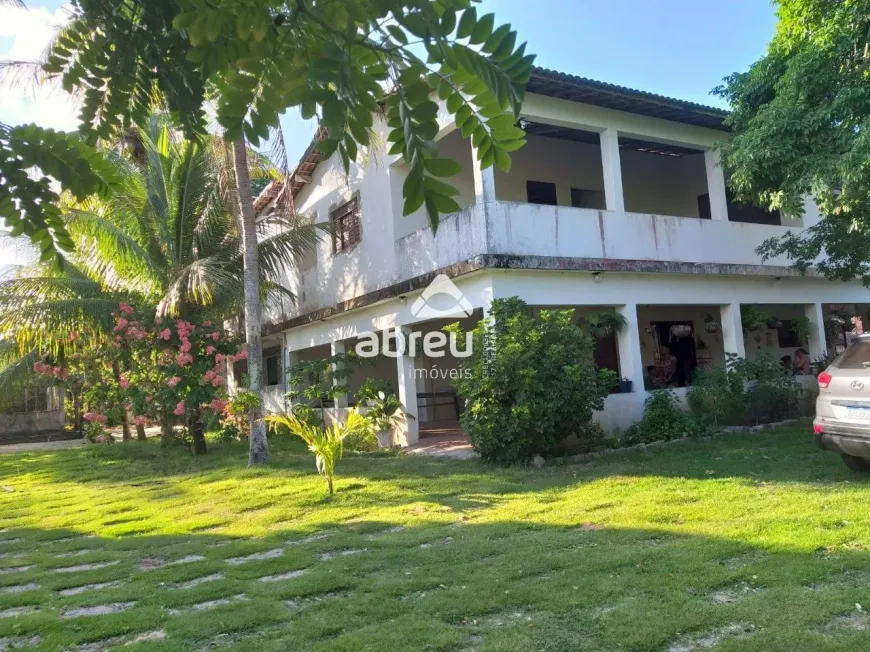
(124, 382)
(183, 359)
(218, 381)
(206, 323)
(179, 409)
(214, 336)
(218, 405)
(95, 417)
(140, 420)
(220, 358)
(148, 398)
(209, 350)
(185, 345)
(166, 333)
(126, 308)
(122, 324)
(172, 382)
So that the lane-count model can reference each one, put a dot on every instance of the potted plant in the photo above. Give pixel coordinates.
(604, 322)
(754, 319)
(384, 411)
(625, 386)
(710, 324)
(801, 328)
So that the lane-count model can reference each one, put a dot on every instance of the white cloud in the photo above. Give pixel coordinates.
(25, 33)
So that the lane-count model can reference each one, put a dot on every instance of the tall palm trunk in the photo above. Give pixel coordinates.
(258, 450)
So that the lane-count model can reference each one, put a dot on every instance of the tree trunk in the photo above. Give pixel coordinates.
(165, 431)
(197, 431)
(140, 432)
(77, 410)
(258, 445)
(125, 414)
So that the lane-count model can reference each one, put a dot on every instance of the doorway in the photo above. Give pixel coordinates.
(681, 347)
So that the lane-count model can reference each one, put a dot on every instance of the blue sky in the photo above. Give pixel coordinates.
(679, 48)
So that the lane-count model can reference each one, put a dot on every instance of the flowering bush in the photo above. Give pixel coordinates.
(158, 371)
(95, 433)
(236, 412)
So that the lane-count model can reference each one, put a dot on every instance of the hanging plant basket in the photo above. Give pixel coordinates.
(711, 325)
(680, 330)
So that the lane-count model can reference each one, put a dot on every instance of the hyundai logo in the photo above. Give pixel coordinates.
(857, 385)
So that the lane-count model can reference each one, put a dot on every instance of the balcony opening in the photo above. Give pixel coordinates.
(452, 146)
(556, 167)
(739, 212)
(663, 179)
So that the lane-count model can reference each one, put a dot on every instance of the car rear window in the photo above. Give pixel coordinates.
(854, 357)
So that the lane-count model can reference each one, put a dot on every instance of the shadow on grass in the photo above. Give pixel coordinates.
(373, 585)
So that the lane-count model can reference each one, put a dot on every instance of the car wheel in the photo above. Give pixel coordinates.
(856, 463)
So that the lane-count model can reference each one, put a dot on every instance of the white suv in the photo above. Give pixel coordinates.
(842, 422)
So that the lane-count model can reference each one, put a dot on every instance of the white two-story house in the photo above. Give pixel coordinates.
(617, 202)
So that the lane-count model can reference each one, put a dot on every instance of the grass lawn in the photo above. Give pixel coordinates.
(747, 542)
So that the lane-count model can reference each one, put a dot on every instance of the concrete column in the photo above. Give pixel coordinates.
(407, 378)
(732, 329)
(337, 348)
(292, 359)
(817, 342)
(612, 168)
(484, 180)
(716, 186)
(628, 346)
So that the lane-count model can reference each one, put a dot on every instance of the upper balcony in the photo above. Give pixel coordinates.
(594, 183)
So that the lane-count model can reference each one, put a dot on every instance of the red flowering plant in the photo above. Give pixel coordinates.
(166, 372)
(175, 370)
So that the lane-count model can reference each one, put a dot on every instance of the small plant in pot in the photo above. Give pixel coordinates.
(710, 324)
(605, 322)
(801, 328)
(625, 385)
(754, 319)
(384, 411)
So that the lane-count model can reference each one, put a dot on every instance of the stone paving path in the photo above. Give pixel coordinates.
(132, 566)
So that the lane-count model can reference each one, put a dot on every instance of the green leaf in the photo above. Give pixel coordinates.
(398, 34)
(443, 204)
(502, 159)
(467, 23)
(327, 146)
(483, 29)
(442, 167)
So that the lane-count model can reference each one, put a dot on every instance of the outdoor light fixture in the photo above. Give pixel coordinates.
(596, 277)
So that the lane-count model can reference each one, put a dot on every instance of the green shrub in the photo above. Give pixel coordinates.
(759, 390)
(771, 393)
(589, 438)
(529, 382)
(717, 397)
(663, 420)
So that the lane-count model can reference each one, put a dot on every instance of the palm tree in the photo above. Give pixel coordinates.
(167, 236)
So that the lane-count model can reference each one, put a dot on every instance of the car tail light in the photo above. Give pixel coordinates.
(824, 379)
(817, 428)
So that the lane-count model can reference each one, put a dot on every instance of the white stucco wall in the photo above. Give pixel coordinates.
(528, 229)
